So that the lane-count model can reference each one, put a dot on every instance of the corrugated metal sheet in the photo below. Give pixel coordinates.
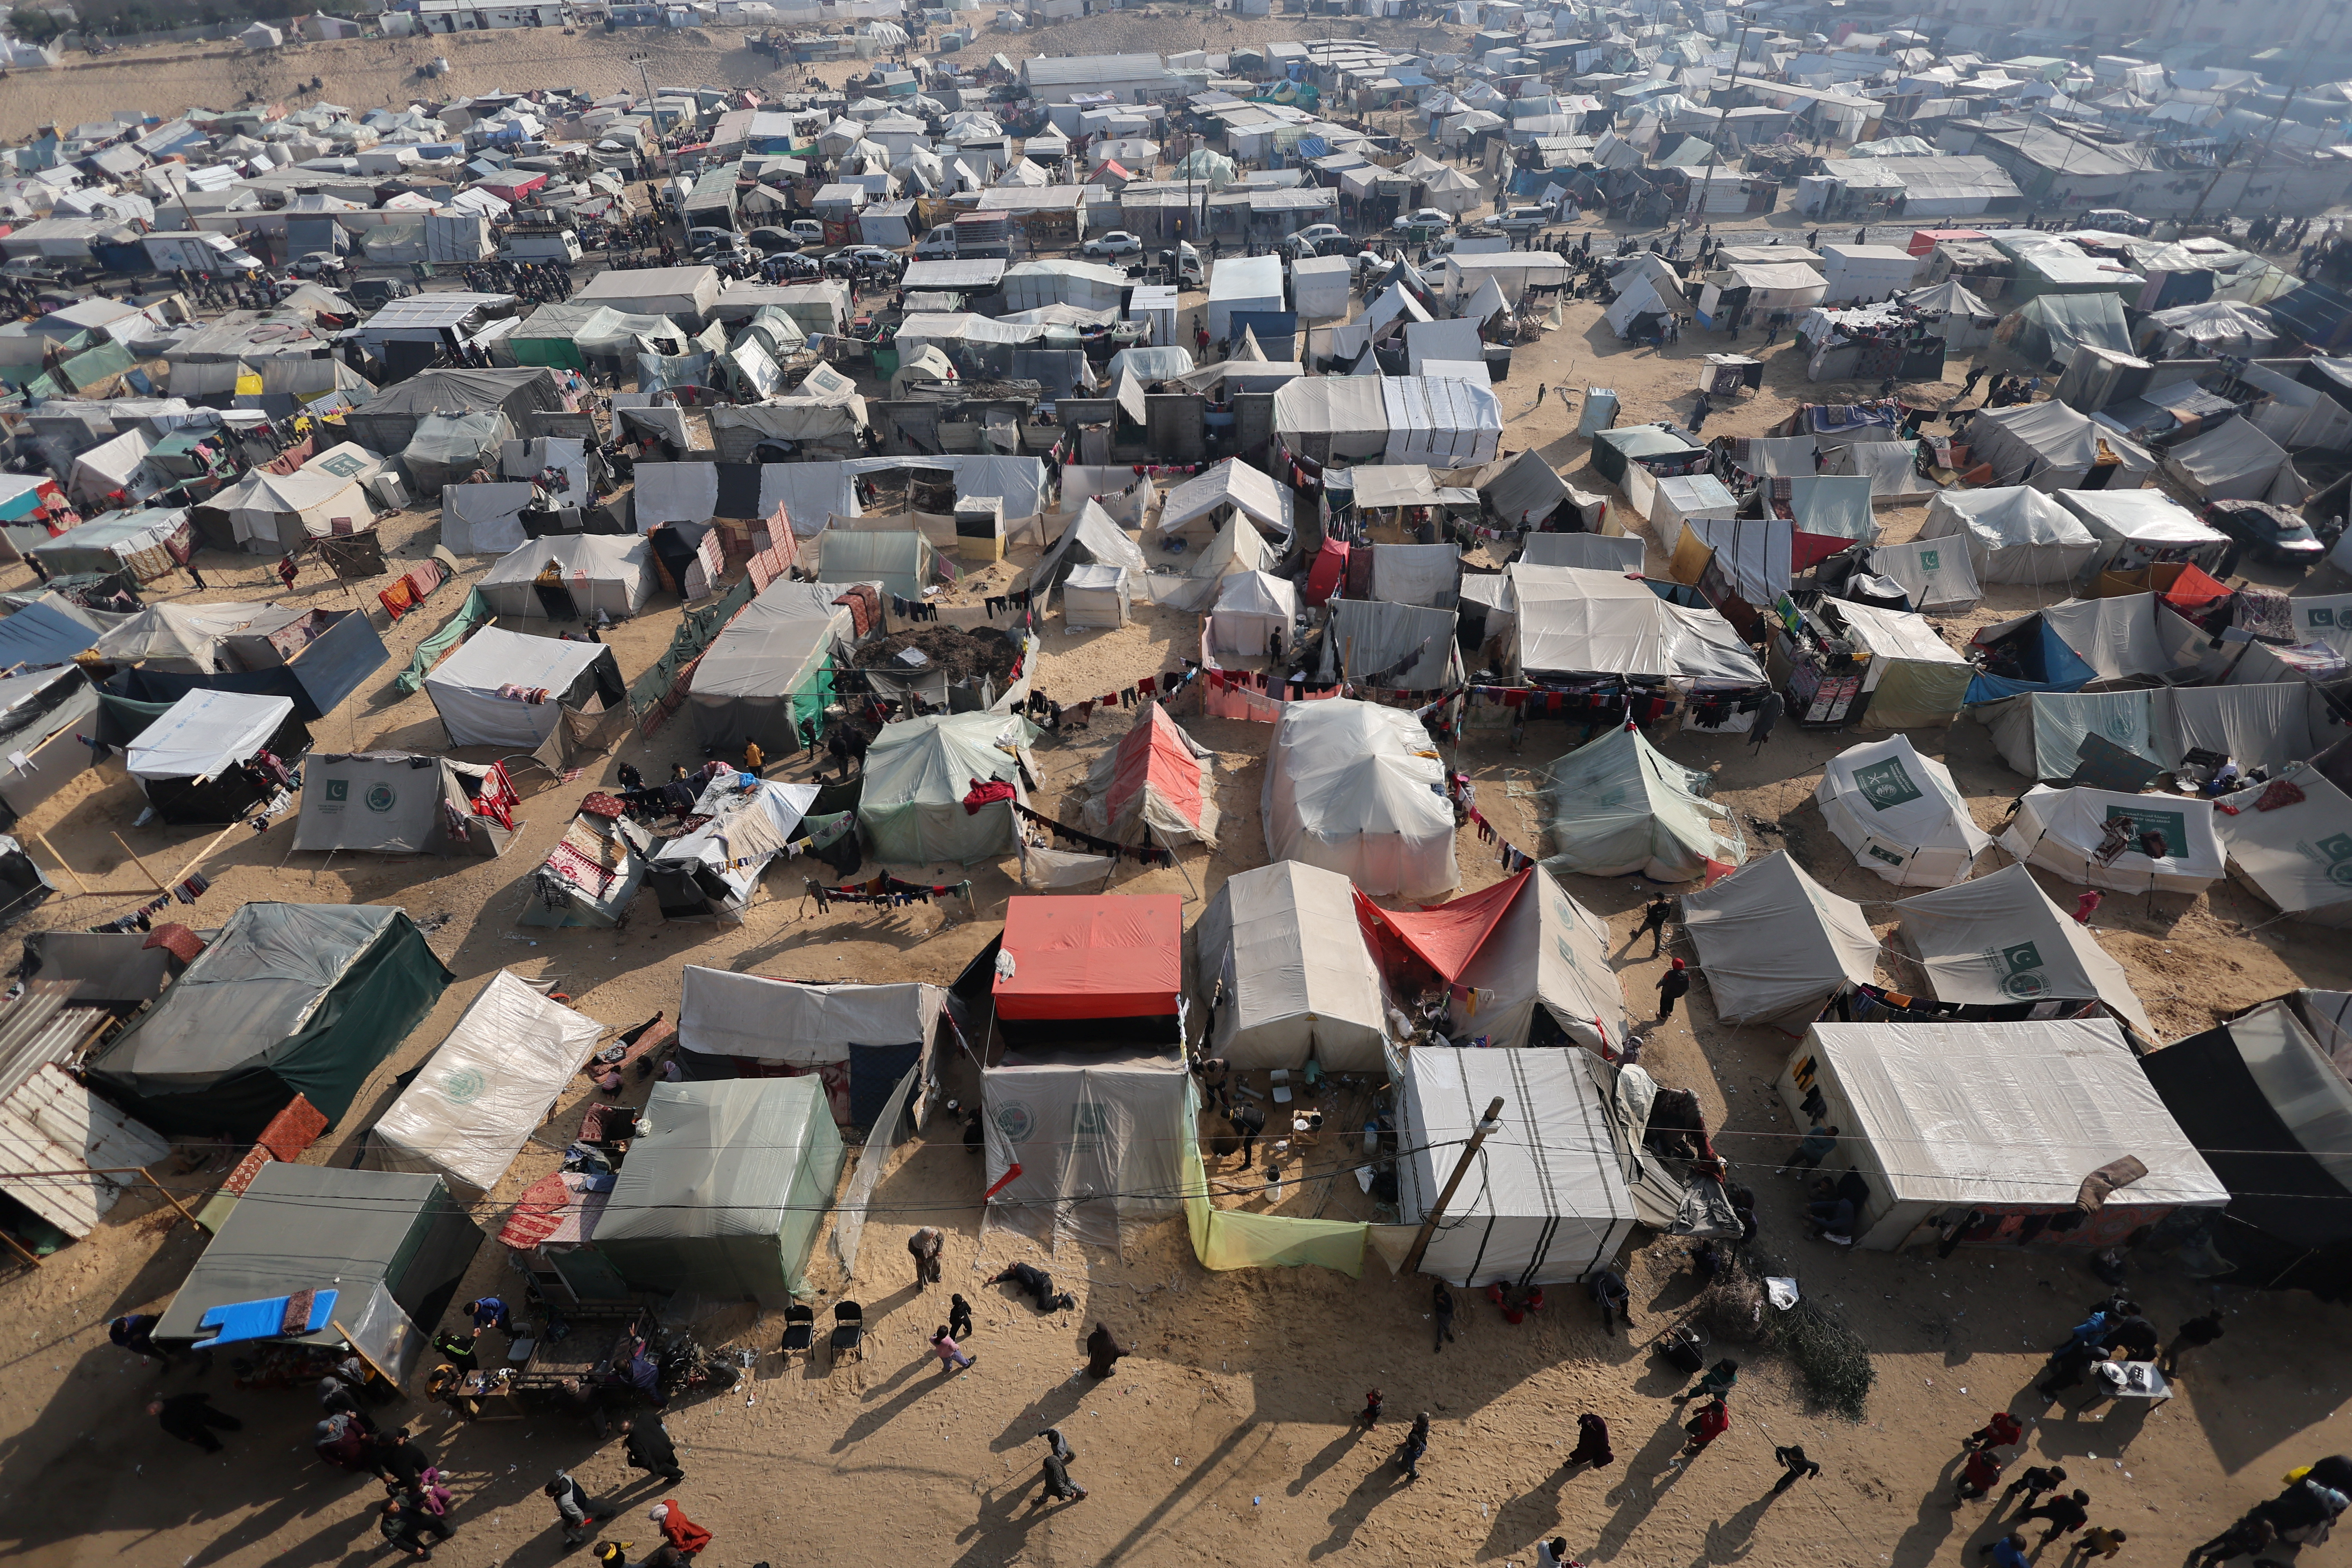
(51, 1124)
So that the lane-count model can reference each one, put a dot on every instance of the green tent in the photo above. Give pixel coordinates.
(1620, 807)
(918, 774)
(290, 999)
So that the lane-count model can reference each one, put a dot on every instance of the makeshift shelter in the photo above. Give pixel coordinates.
(917, 774)
(1573, 621)
(858, 1041)
(2012, 534)
(1090, 970)
(1774, 944)
(485, 519)
(274, 514)
(2208, 329)
(44, 715)
(1900, 814)
(1521, 962)
(288, 999)
(2165, 843)
(2234, 461)
(2000, 938)
(1281, 943)
(1546, 1202)
(1993, 1132)
(1913, 678)
(316, 657)
(1157, 787)
(1095, 597)
(384, 1252)
(1958, 316)
(2291, 839)
(2042, 336)
(571, 578)
(1383, 647)
(1093, 538)
(2076, 642)
(724, 1189)
(447, 448)
(1194, 510)
(1252, 608)
(901, 560)
(1359, 789)
(591, 877)
(1618, 806)
(213, 756)
(1892, 468)
(148, 544)
(1938, 579)
(480, 1095)
(510, 690)
(2142, 528)
(2051, 446)
(1588, 552)
(712, 870)
(771, 670)
(401, 802)
(1080, 1139)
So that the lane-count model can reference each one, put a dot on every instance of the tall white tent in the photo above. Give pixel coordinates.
(594, 572)
(2013, 534)
(1359, 789)
(1900, 814)
(1298, 980)
(2000, 938)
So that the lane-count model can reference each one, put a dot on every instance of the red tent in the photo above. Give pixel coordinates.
(1150, 788)
(1120, 956)
(1330, 565)
(1445, 939)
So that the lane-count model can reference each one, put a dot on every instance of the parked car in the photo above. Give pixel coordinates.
(811, 230)
(792, 264)
(715, 252)
(872, 258)
(1520, 220)
(376, 293)
(2268, 532)
(324, 264)
(774, 241)
(1118, 242)
(1427, 217)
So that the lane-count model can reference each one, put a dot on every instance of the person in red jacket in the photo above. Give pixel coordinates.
(2003, 1431)
(680, 1531)
(1978, 1476)
(1713, 1420)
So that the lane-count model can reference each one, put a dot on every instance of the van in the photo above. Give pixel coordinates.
(560, 245)
(939, 245)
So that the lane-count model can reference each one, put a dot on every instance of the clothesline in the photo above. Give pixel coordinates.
(1143, 855)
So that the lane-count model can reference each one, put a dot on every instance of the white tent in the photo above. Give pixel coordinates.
(2232, 461)
(587, 572)
(1298, 980)
(1775, 944)
(1044, 1182)
(2062, 830)
(1250, 606)
(1195, 508)
(484, 690)
(1939, 579)
(859, 1039)
(918, 773)
(2137, 529)
(2116, 637)
(2013, 533)
(1915, 678)
(1546, 1202)
(2298, 854)
(1359, 789)
(1900, 814)
(1574, 621)
(478, 1097)
(271, 515)
(204, 734)
(2052, 448)
(2000, 938)
(1618, 806)
(1095, 597)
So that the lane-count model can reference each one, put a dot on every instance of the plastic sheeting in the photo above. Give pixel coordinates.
(1574, 621)
(464, 687)
(1156, 786)
(1509, 951)
(1359, 789)
(1618, 806)
(1110, 957)
(1900, 814)
(206, 733)
(2053, 448)
(448, 446)
(1298, 982)
(597, 571)
(1444, 424)
(2297, 856)
(2232, 461)
(771, 667)
(1775, 944)
(2012, 534)
(484, 518)
(1098, 1136)
(2000, 938)
(2060, 830)
(917, 775)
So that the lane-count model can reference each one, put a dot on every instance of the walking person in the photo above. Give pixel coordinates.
(1441, 1304)
(1415, 1444)
(1968, 387)
(1794, 1467)
(682, 1533)
(1540, 390)
(1058, 1487)
(406, 1523)
(958, 1318)
(645, 1441)
(1674, 982)
(2033, 1482)
(2098, 1541)
(1716, 1381)
(2009, 1551)
(1371, 1414)
(951, 1357)
(2196, 1332)
(1591, 1444)
(1103, 1351)
(2003, 1431)
(1977, 1477)
(1767, 713)
(2065, 1514)
(1248, 1121)
(574, 1511)
(1654, 916)
(191, 1417)
(1713, 1420)
(924, 1248)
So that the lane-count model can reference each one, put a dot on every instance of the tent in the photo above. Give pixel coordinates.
(712, 870)
(1900, 814)
(485, 518)
(2052, 448)
(1359, 789)
(1618, 806)
(859, 1041)
(199, 761)
(1095, 597)
(2143, 527)
(1251, 606)
(1892, 468)
(148, 544)
(401, 802)
(900, 560)
(1589, 551)
(1959, 316)
(1546, 1202)
(2207, 329)
(772, 668)
(44, 715)
(1090, 969)
(571, 578)
(2012, 534)
(476, 1101)
(1079, 1141)
(2055, 735)
(1775, 944)
(1990, 1130)
(508, 689)
(591, 877)
(2000, 938)
(447, 448)
(724, 1191)
(2076, 642)
(2234, 461)
(274, 514)
(1284, 970)
(2042, 336)
(1938, 579)
(1390, 647)
(1522, 963)
(1913, 678)
(389, 1248)
(1573, 621)
(918, 773)
(288, 999)
(1157, 787)
(1195, 509)
(2062, 830)
(1093, 538)
(2297, 854)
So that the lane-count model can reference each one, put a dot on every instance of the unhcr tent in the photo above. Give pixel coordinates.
(2041, 336)
(288, 999)
(1359, 789)
(2013, 533)
(198, 762)
(1251, 607)
(1991, 1130)
(2054, 736)
(1080, 1139)
(1915, 678)
(1523, 963)
(2171, 842)
(506, 690)
(1157, 787)
(400, 802)
(771, 668)
(724, 1191)
(1774, 944)
(1939, 578)
(859, 1041)
(571, 578)
(918, 773)
(2234, 461)
(1618, 806)
(2000, 938)
(2052, 448)
(1900, 814)
(1546, 1201)
(2298, 853)
(1297, 980)
(474, 1104)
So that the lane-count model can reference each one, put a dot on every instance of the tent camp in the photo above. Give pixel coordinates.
(2297, 854)
(1522, 963)
(273, 514)
(2052, 448)
(918, 773)
(2234, 461)
(510, 691)
(1914, 680)
(2000, 938)
(1900, 814)
(1359, 789)
(571, 578)
(476, 1101)
(401, 802)
(1939, 579)
(2142, 527)
(1992, 1131)
(2041, 336)
(203, 761)
(2166, 842)
(288, 999)
(1073, 969)
(1572, 621)
(2013, 533)
(725, 1188)
(384, 1250)
(1774, 944)
(771, 668)
(1545, 1203)
(1156, 786)
(1297, 980)
(1251, 607)
(1618, 806)
(1079, 1139)
(859, 1041)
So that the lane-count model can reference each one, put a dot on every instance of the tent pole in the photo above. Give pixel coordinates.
(170, 1199)
(159, 887)
(1174, 860)
(43, 839)
(1490, 1123)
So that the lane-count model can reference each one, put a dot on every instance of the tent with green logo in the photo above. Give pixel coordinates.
(2000, 938)
(2169, 842)
(397, 803)
(1900, 814)
(2296, 852)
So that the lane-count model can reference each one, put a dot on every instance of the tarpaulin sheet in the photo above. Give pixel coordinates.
(1152, 788)
(1298, 980)
(1120, 956)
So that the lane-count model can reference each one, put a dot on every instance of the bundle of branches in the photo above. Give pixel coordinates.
(1831, 1359)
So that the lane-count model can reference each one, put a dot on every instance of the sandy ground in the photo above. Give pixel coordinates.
(1233, 1414)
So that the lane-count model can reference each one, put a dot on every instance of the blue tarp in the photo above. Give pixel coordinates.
(42, 635)
(2049, 665)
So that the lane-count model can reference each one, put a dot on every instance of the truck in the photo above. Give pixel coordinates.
(1470, 242)
(972, 236)
(540, 242)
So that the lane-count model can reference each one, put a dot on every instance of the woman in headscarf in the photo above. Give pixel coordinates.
(1102, 1352)
(680, 1531)
(1592, 1441)
(341, 1441)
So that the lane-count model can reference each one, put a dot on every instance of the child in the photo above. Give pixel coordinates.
(1372, 1414)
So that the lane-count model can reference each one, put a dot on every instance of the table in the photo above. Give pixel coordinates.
(2130, 1380)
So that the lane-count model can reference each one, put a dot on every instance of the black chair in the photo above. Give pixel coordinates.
(800, 1329)
(848, 1331)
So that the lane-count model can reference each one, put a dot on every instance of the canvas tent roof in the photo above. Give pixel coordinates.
(2232, 461)
(1156, 786)
(2013, 533)
(1591, 552)
(1618, 806)
(394, 803)
(2294, 855)
(1046, 1183)
(1938, 579)
(1900, 814)
(1576, 621)
(1298, 980)
(1358, 788)
(206, 733)
(478, 1099)
(2000, 938)
(722, 1013)
(1110, 957)
(1891, 467)
(1092, 538)
(1774, 943)
(917, 775)
(2040, 337)
(1346, 412)
(1535, 961)
(771, 667)
(274, 514)
(1230, 483)
(2060, 830)
(2052, 448)
(610, 573)
(1390, 646)
(464, 686)
(2116, 638)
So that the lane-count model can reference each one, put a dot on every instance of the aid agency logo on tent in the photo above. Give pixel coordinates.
(1885, 785)
(2122, 725)
(339, 794)
(2019, 967)
(2333, 853)
(380, 796)
(1016, 1121)
(1930, 559)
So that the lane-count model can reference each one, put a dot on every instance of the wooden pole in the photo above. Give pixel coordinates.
(19, 1249)
(170, 1199)
(201, 855)
(43, 839)
(143, 869)
(365, 1360)
(1488, 1123)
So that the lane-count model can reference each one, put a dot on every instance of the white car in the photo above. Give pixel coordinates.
(1427, 217)
(1118, 242)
